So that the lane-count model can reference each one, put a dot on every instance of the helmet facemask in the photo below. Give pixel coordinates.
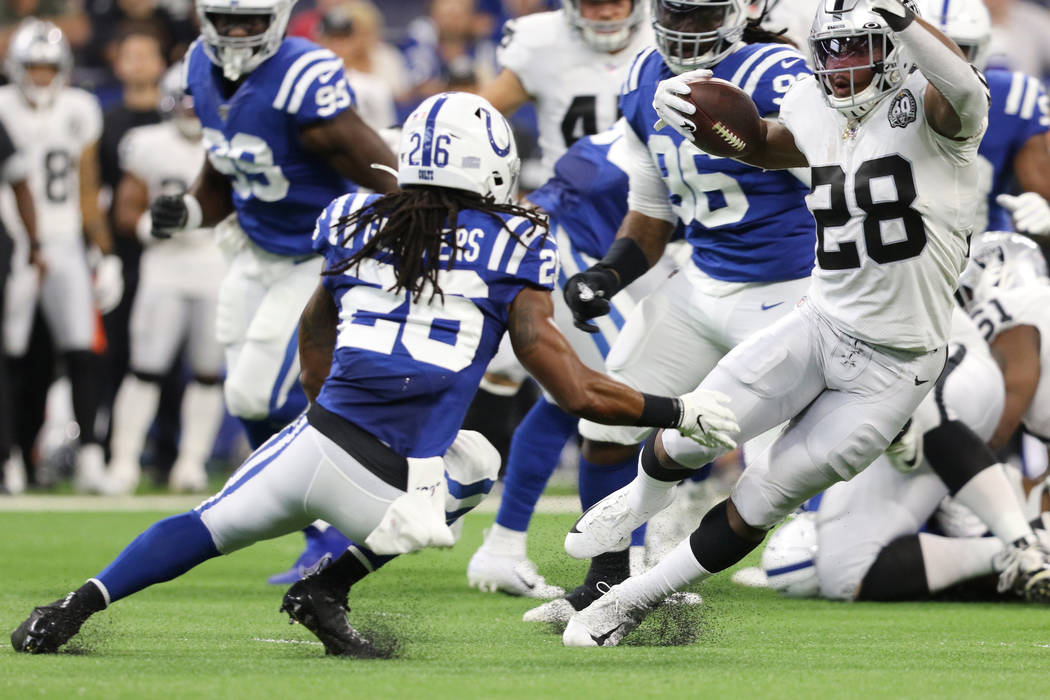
(607, 36)
(697, 33)
(39, 44)
(239, 55)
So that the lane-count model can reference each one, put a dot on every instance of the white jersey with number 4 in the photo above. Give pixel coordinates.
(167, 163)
(894, 203)
(1023, 306)
(52, 140)
(576, 88)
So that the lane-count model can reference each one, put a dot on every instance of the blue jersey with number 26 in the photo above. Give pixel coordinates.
(253, 138)
(745, 224)
(405, 370)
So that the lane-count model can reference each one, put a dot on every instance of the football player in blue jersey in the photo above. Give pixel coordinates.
(419, 287)
(1015, 152)
(751, 234)
(283, 140)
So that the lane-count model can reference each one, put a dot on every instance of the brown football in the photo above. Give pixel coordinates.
(726, 119)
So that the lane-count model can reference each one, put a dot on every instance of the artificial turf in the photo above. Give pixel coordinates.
(216, 633)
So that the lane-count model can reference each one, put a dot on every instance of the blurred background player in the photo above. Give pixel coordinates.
(750, 232)
(14, 172)
(571, 63)
(393, 344)
(57, 128)
(175, 303)
(282, 141)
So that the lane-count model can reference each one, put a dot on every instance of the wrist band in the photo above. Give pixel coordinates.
(660, 412)
(626, 258)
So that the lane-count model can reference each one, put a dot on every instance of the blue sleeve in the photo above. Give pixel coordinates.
(636, 96)
(772, 79)
(539, 265)
(317, 91)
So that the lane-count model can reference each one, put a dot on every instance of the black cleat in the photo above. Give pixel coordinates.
(323, 611)
(48, 627)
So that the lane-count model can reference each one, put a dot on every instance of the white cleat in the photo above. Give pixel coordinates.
(603, 623)
(186, 477)
(89, 475)
(607, 525)
(490, 573)
(553, 611)
(560, 610)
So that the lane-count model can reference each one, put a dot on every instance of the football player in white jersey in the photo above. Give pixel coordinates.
(175, 302)
(865, 541)
(892, 155)
(571, 62)
(57, 127)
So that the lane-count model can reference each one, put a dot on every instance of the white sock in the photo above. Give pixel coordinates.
(202, 408)
(671, 574)
(133, 412)
(647, 494)
(952, 560)
(989, 496)
(505, 542)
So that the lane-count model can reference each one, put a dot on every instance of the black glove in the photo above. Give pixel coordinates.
(169, 215)
(898, 14)
(587, 295)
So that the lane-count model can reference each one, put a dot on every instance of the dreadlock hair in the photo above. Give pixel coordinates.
(755, 33)
(409, 228)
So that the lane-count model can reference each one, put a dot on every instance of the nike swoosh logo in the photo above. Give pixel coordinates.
(525, 583)
(789, 62)
(920, 382)
(767, 307)
(600, 640)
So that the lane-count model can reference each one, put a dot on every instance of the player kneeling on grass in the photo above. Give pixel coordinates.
(419, 287)
(893, 158)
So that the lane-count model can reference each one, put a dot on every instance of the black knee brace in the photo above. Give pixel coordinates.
(715, 544)
(956, 454)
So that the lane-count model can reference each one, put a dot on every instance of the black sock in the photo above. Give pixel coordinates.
(898, 573)
(88, 599)
(343, 573)
(715, 544)
(610, 568)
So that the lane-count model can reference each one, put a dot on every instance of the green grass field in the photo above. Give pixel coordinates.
(216, 633)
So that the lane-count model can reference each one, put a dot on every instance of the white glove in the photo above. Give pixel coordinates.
(671, 108)
(108, 284)
(706, 420)
(905, 452)
(1030, 212)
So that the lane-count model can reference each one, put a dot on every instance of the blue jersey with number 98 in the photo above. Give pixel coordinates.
(253, 138)
(745, 224)
(406, 370)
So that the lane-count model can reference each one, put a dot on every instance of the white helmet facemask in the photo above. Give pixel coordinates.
(459, 140)
(1000, 260)
(850, 42)
(693, 34)
(39, 43)
(607, 36)
(238, 56)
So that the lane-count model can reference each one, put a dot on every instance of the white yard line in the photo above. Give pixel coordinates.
(44, 503)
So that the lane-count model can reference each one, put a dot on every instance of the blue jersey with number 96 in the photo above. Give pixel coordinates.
(745, 224)
(406, 370)
(253, 138)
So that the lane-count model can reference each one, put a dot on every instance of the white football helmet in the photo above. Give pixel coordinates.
(39, 43)
(966, 22)
(790, 556)
(238, 56)
(607, 36)
(694, 34)
(846, 30)
(1000, 260)
(459, 140)
(177, 105)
